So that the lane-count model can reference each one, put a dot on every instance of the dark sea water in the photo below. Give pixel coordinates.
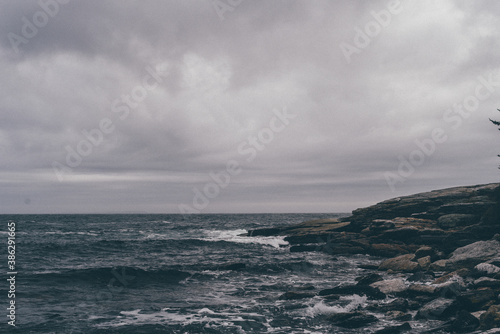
(170, 274)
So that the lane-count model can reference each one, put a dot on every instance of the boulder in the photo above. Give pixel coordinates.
(424, 251)
(368, 279)
(476, 300)
(421, 289)
(473, 254)
(486, 282)
(439, 265)
(265, 232)
(491, 318)
(451, 276)
(352, 319)
(398, 304)
(390, 286)
(487, 268)
(424, 262)
(440, 308)
(450, 288)
(463, 323)
(383, 249)
(368, 291)
(402, 263)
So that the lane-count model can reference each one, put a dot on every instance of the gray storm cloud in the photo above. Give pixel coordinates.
(119, 106)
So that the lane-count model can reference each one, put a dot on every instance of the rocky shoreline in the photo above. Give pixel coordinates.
(442, 259)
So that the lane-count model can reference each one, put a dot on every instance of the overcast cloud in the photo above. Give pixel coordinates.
(307, 106)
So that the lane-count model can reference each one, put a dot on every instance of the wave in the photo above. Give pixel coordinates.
(204, 320)
(240, 236)
(125, 276)
(321, 308)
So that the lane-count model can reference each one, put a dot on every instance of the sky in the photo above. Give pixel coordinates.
(239, 106)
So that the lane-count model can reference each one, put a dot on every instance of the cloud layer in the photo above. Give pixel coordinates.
(178, 89)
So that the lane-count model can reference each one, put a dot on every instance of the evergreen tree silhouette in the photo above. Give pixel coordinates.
(497, 123)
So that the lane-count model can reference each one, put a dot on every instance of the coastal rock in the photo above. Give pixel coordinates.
(368, 291)
(450, 233)
(454, 220)
(402, 263)
(450, 276)
(368, 279)
(440, 308)
(464, 323)
(473, 254)
(491, 318)
(395, 329)
(486, 268)
(265, 232)
(450, 289)
(398, 304)
(439, 265)
(474, 205)
(476, 300)
(424, 251)
(421, 289)
(352, 319)
(424, 262)
(486, 282)
(377, 226)
(431, 205)
(390, 286)
(389, 250)
(314, 231)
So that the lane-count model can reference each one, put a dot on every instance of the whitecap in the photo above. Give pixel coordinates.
(322, 309)
(240, 236)
(206, 310)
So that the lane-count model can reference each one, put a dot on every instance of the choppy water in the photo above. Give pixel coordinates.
(170, 274)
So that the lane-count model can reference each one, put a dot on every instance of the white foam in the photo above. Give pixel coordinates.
(69, 233)
(204, 315)
(323, 309)
(206, 310)
(239, 236)
(158, 236)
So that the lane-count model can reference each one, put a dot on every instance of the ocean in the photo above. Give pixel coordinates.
(170, 274)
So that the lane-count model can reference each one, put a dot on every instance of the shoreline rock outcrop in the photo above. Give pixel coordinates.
(448, 241)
